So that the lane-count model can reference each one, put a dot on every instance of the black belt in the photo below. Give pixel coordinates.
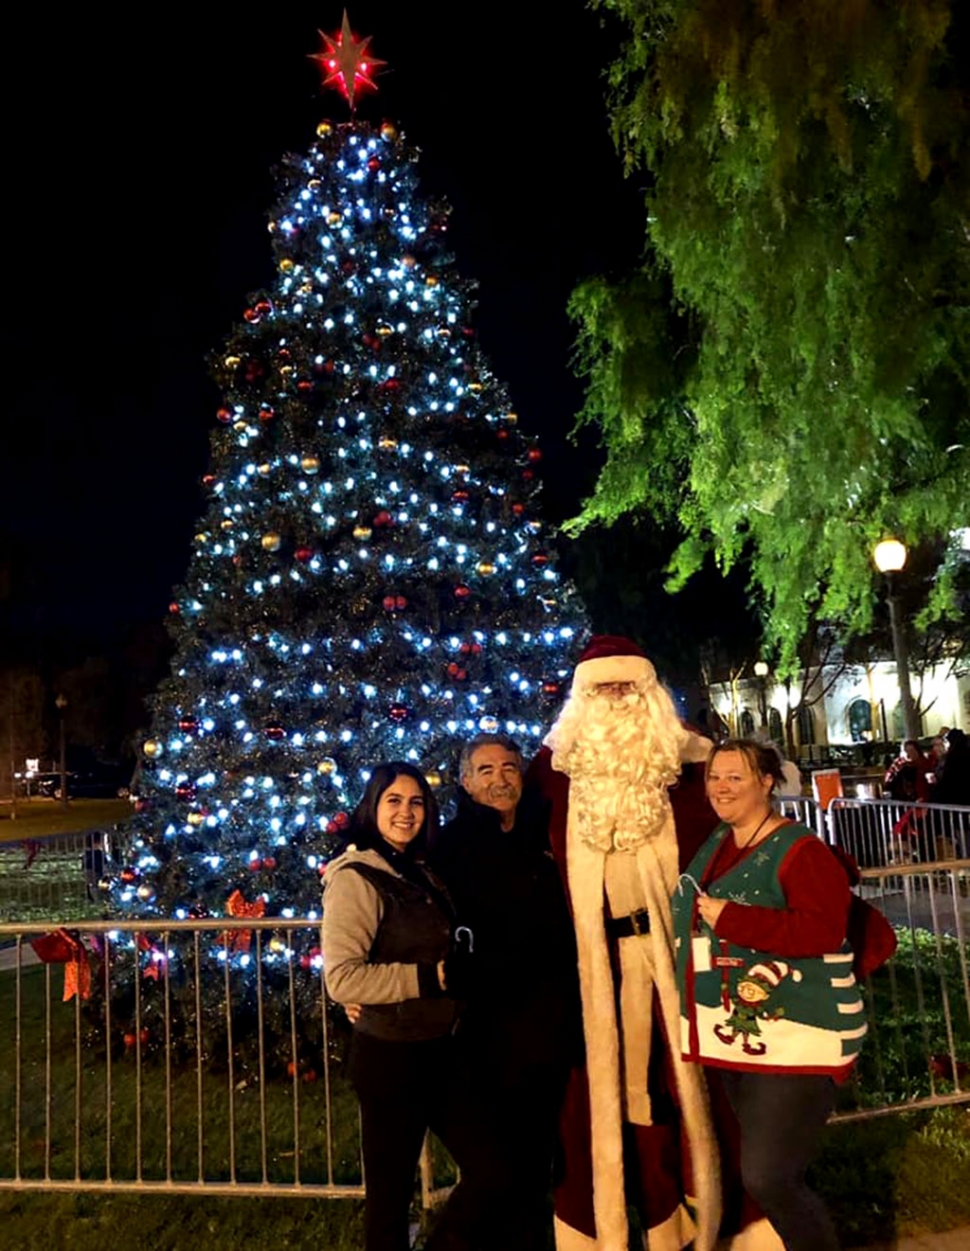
(625, 927)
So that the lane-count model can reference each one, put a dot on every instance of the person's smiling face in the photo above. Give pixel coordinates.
(494, 778)
(738, 793)
(400, 812)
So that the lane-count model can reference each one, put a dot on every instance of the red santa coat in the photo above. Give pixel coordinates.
(674, 1143)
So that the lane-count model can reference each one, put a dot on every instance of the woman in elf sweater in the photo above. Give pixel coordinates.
(387, 933)
(769, 1002)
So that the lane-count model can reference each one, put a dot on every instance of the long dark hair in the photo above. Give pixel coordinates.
(363, 829)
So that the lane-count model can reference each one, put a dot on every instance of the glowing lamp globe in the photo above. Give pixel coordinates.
(889, 555)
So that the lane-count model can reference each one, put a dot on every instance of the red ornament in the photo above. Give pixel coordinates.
(284, 354)
(389, 602)
(263, 307)
(468, 332)
(304, 964)
(383, 518)
(174, 608)
(224, 415)
(188, 725)
(398, 712)
(535, 454)
(341, 820)
(304, 385)
(391, 384)
(459, 497)
(304, 554)
(269, 863)
(462, 591)
(185, 790)
(255, 864)
(128, 875)
(274, 732)
(400, 603)
(527, 475)
(540, 559)
(346, 63)
(208, 480)
(518, 509)
(374, 164)
(550, 688)
(266, 412)
(454, 669)
(333, 827)
(144, 1035)
(141, 805)
(254, 371)
(501, 434)
(323, 368)
(130, 1039)
(251, 316)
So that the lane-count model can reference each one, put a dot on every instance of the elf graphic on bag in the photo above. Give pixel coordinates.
(754, 991)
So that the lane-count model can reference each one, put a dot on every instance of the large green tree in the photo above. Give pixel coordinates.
(787, 374)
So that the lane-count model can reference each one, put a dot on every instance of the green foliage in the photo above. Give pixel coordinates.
(809, 185)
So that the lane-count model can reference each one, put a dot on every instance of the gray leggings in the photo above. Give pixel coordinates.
(781, 1117)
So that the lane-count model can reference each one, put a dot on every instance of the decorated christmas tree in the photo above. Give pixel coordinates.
(370, 579)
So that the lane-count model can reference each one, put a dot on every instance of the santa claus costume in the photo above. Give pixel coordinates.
(624, 781)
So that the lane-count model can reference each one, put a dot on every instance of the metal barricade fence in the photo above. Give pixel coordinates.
(882, 832)
(198, 1077)
(57, 875)
(917, 1052)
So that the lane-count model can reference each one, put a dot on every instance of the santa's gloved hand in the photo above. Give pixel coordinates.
(460, 964)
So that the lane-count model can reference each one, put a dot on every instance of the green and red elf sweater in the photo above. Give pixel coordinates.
(772, 990)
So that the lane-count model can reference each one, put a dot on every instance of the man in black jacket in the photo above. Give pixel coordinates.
(519, 1029)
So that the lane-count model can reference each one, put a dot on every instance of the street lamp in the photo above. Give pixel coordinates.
(61, 704)
(890, 557)
(761, 673)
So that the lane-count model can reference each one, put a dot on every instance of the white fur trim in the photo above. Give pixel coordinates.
(613, 669)
(569, 1239)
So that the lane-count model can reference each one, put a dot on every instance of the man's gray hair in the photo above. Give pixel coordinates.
(486, 740)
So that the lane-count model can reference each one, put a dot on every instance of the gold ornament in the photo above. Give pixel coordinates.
(271, 542)
(384, 329)
(201, 539)
(277, 945)
(486, 568)
(512, 418)
(534, 526)
(195, 818)
(305, 288)
(431, 281)
(287, 266)
(145, 892)
(314, 184)
(389, 131)
(152, 748)
(327, 766)
(227, 523)
(286, 370)
(433, 779)
(444, 332)
(362, 532)
(310, 464)
(334, 218)
(324, 129)
(475, 387)
(463, 469)
(239, 426)
(272, 227)
(387, 443)
(409, 262)
(264, 470)
(232, 362)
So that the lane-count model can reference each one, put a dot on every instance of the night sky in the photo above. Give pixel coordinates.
(140, 174)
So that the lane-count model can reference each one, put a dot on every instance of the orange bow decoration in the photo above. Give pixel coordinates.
(238, 906)
(63, 947)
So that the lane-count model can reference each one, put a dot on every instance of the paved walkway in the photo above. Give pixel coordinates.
(952, 1240)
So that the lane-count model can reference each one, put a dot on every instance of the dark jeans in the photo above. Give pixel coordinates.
(405, 1089)
(781, 1117)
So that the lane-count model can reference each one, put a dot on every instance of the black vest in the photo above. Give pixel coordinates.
(414, 929)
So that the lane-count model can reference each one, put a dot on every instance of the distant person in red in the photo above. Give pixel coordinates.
(906, 778)
(624, 781)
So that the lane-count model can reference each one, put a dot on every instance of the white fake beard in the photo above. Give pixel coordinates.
(621, 755)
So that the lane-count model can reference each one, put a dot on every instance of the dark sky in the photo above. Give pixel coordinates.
(139, 176)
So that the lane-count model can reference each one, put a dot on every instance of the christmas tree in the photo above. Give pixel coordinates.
(370, 579)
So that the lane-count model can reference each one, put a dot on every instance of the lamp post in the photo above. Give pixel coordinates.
(761, 673)
(61, 704)
(890, 557)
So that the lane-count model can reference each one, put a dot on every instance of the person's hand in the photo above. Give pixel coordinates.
(441, 975)
(353, 1012)
(710, 909)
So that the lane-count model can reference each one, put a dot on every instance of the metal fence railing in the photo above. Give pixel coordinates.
(57, 875)
(881, 832)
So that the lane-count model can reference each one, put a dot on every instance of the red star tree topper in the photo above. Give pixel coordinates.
(347, 63)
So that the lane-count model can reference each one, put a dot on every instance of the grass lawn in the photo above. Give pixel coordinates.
(38, 818)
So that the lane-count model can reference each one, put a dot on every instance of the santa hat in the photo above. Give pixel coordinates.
(612, 658)
(771, 972)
